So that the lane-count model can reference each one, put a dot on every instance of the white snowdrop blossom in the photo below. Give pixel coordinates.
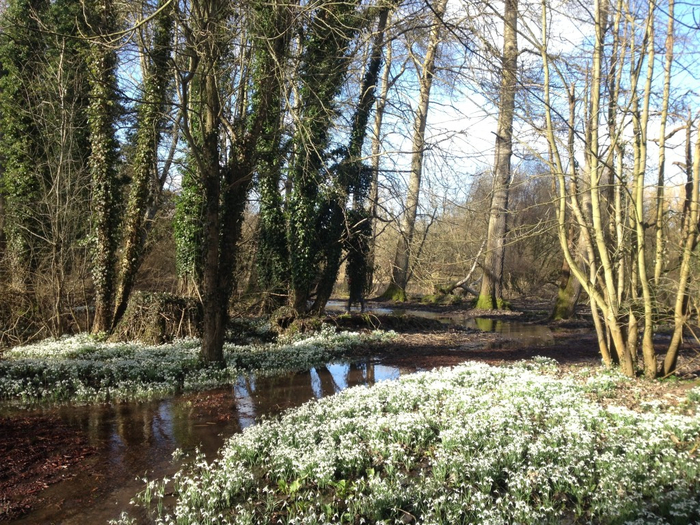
(474, 444)
(82, 369)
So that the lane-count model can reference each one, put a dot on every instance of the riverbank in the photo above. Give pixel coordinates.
(76, 448)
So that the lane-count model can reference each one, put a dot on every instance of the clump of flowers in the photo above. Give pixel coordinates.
(694, 394)
(474, 444)
(80, 368)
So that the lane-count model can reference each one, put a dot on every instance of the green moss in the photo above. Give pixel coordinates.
(562, 307)
(394, 293)
(485, 302)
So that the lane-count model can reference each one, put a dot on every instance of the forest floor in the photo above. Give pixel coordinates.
(37, 451)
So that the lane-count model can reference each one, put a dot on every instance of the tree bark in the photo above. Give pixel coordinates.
(102, 164)
(213, 301)
(152, 113)
(400, 268)
(491, 293)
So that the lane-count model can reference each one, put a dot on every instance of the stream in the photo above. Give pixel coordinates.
(137, 440)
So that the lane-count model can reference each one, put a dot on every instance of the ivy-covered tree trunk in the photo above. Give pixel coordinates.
(491, 294)
(322, 73)
(22, 53)
(188, 226)
(224, 186)
(151, 120)
(350, 228)
(272, 29)
(206, 44)
(102, 116)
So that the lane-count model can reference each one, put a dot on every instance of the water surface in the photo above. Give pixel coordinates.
(526, 333)
(137, 440)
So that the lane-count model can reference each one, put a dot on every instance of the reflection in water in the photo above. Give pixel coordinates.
(527, 334)
(138, 439)
(257, 396)
(485, 324)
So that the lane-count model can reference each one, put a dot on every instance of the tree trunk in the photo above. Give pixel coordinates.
(376, 153)
(352, 182)
(660, 199)
(567, 295)
(569, 286)
(152, 113)
(102, 164)
(204, 42)
(400, 268)
(491, 293)
(690, 238)
(213, 301)
(641, 128)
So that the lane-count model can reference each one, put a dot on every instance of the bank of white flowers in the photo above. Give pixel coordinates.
(474, 444)
(82, 369)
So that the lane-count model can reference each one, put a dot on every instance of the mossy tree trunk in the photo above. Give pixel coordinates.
(567, 294)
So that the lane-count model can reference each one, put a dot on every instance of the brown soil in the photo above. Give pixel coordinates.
(37, 451)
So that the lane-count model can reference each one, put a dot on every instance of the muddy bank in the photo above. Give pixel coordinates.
(35, 453)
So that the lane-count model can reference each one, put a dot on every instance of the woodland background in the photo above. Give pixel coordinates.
(221, 156)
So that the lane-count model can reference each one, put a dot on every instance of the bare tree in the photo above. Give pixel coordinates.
(426, 70)
(490, 295)
(610, 211)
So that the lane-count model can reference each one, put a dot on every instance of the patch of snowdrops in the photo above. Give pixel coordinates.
(82, 369)
(474, 444)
